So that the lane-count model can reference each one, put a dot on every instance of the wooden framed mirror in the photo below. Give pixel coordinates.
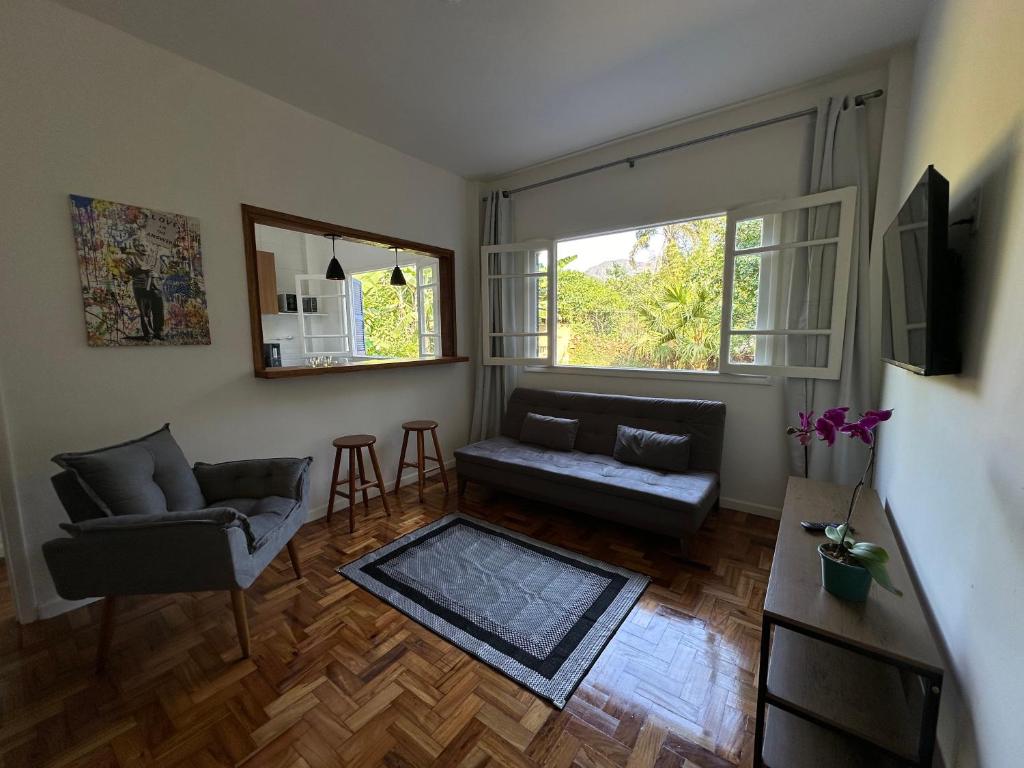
(385, 302)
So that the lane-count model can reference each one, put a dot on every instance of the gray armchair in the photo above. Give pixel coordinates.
(144, 522)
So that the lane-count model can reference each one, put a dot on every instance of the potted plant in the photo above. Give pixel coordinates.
(848, 566)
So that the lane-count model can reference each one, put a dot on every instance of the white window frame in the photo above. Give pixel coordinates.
(530, 246)
(421, 289)
(846, 197)
(771, 296)
(344, 306)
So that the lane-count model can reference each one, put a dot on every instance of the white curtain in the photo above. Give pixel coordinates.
(494, 383)
(840, 159)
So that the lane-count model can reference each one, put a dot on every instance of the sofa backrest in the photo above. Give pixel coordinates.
(600, 416)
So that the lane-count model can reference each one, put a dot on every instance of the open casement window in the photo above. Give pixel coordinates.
(785, 281)
(325, 316)
(517, 287)
(427, 304)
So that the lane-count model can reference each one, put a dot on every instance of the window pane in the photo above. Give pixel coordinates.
(518, 305)
(813, 223)
(791, 288)
(644, 298)
(385, 318)
(746, 281)
(519, 346)
(749, 233)
(426, 275)
(430, 346)
(428, 321)
(778, 349)
(517, 262)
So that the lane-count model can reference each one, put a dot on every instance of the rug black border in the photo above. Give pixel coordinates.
(551, 550)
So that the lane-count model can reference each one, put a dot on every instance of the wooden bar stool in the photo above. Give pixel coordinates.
(355, 445)
(420, 427)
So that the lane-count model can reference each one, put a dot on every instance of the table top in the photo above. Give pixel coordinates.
(886, 625)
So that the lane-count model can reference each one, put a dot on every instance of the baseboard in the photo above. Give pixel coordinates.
(408, 480)
(750, 507)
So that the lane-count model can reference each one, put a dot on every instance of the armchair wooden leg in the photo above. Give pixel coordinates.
(106, 633)
(294, 555)
(241, 621)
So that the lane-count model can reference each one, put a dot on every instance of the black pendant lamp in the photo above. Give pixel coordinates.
(334, 270)
(397, 275)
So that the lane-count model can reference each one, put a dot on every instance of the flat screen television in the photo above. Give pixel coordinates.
(921, 285)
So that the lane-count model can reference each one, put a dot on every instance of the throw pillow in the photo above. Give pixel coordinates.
(549, 431)
(654, 450)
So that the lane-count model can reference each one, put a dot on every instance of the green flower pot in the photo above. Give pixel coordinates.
(848, 582)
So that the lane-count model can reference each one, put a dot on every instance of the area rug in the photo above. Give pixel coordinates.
(537, 613)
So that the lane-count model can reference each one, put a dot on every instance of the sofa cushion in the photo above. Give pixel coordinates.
(144, 476)
(687, 492)
(655, 450)
(551, 432)
(264, 515)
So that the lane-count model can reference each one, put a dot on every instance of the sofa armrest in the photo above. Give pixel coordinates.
(254, 479)
(151, 554)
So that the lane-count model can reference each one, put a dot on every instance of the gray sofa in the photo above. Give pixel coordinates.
(144, 522)
(587, 478)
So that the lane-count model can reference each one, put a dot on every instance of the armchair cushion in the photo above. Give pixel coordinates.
(263, 516)
(145, 476)
(253, 479)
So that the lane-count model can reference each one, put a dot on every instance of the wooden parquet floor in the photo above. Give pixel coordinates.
(338, 678)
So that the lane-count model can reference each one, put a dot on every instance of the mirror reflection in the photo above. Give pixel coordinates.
(373, 313)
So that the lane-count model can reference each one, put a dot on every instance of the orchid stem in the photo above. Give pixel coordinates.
(856, 492)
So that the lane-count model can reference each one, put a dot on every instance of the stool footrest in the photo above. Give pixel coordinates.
(414, 465)
(358, 487)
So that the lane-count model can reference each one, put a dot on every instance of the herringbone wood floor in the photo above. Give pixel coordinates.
(339, 678)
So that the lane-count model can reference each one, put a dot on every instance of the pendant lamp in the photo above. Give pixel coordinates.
(334, 270)
(397, 276)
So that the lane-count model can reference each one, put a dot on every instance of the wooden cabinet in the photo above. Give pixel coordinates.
(842, 684)
(266, 273)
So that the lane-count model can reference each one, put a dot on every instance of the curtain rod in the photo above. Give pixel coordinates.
(632, 159)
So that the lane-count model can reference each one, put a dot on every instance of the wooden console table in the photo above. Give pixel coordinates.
(842, 684)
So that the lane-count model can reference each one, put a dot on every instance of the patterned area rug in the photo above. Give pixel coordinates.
(535, 612)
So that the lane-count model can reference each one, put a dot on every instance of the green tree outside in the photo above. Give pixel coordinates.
(665, 314)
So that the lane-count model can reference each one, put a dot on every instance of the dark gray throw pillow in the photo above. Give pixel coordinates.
(144, 476)
(549, 431)
(654, 450)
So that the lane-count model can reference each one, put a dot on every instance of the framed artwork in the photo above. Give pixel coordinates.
(142, 275)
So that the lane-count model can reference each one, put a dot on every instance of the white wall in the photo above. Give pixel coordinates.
(772, 162)
(91, 110)
(951, 462)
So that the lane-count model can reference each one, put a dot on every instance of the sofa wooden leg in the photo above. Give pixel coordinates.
(294, 555)
(106, 633)
(463, 482)
(241, 621)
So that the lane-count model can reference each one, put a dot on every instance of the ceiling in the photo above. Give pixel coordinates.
(483, 87)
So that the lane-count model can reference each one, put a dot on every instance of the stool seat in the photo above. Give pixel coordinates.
(421, 425)
(354, 441)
